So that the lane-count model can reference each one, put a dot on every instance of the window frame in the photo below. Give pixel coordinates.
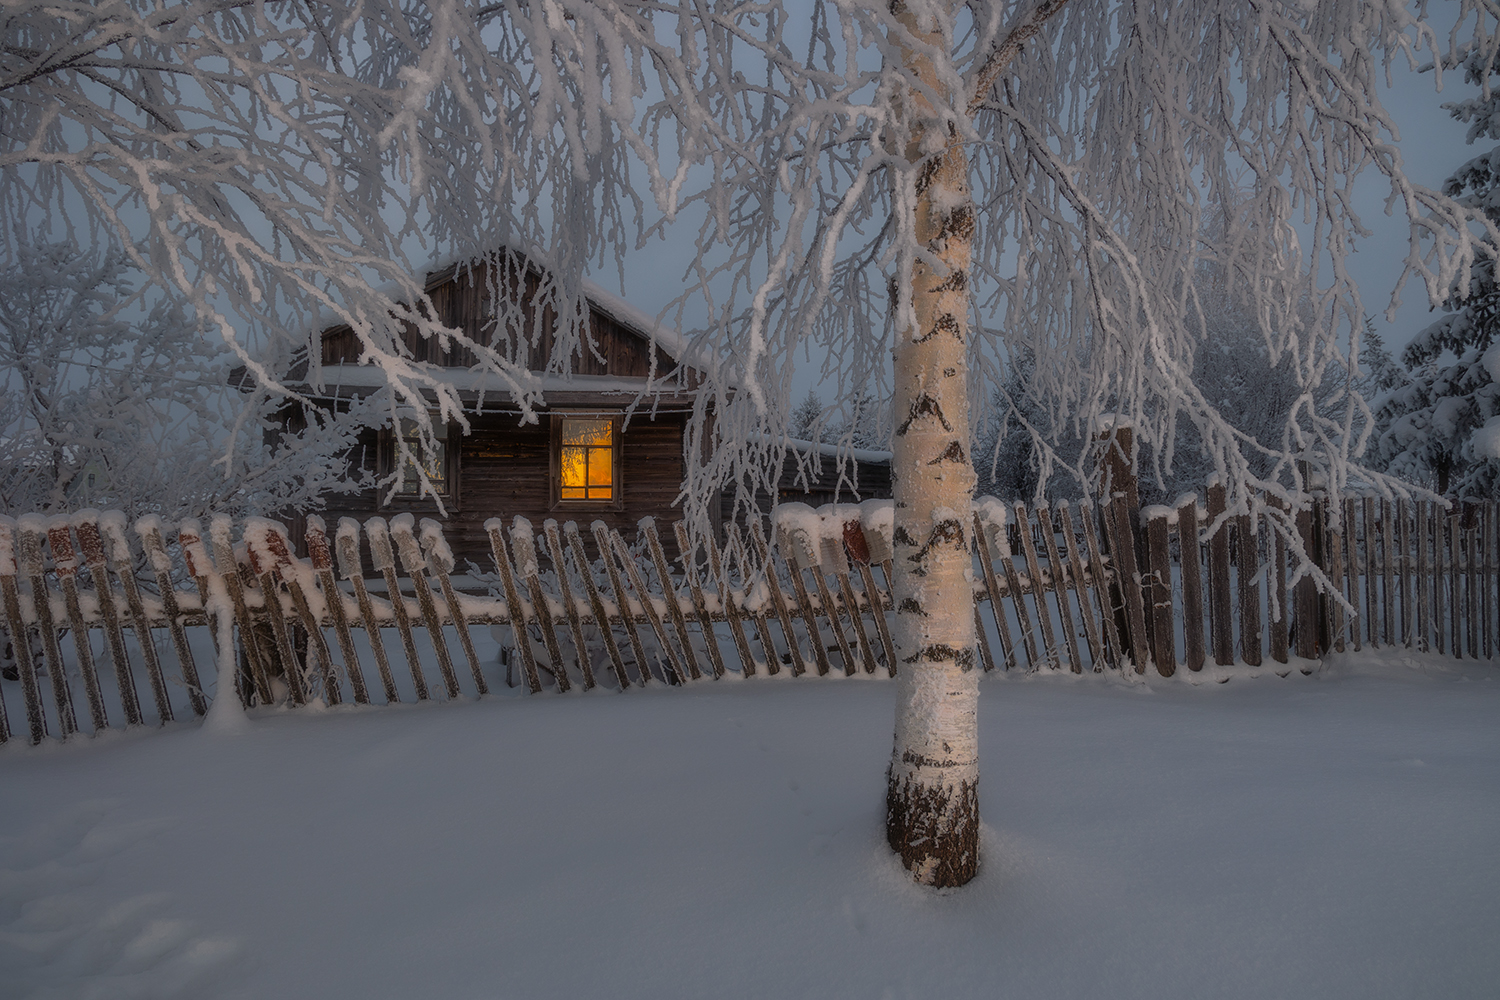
(416, 500)
(554, 468)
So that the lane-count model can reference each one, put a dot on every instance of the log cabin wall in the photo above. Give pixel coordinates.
(504, 470)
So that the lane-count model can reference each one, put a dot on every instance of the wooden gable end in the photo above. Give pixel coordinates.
(460, 299)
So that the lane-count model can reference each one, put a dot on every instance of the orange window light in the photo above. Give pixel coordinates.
(588, 458)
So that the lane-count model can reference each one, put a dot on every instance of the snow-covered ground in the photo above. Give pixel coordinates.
(1336, 835)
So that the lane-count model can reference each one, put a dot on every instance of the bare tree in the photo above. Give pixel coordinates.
(109, 397)
(947, 182)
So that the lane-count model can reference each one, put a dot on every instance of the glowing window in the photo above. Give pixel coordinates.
(586, 458)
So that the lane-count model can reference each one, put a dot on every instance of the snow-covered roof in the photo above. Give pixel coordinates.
(835, 451)
(358, 379)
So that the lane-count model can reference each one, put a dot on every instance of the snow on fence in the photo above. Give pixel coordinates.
(1085, 587)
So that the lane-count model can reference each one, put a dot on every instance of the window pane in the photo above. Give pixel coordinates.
(577, 431)
(435, 465)
(601, 467)
(574, 467)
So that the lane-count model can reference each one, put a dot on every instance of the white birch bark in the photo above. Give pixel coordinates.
(932, 808)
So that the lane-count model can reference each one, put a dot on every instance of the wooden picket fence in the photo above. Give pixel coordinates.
(1075, 587)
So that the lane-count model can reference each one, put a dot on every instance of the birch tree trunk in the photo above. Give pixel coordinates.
(932, 804)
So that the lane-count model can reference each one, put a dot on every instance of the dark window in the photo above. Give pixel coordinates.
(440, 465)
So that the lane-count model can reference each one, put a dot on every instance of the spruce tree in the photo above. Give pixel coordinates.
(1442, 428)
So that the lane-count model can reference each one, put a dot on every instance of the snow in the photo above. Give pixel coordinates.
(1329, 836)
(362, 378)
(1487, 440)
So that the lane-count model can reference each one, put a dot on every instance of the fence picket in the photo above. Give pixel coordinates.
(1193, 653)
(1455, 592)
(1080, 587)
(523, 551)
(286, 570)
(1122, 547)
(632, 625)
(778, 599)
(700, 604)
(638, 583)
(1058, 571)
(835, 556)
(1305, 593)
(65, 568)
(1158, 577)
(149, 532)
(1023, 617)
(516, 616)
(1403, 568)
(264, 565)
(377, 532)
(570, 607)
(416, 572)
(29, 565)
(1333, 541)
(92, 545)
(1277, 590)
(761, 618)
(351, 570)
(113, 532)
(669, 596)
(1471, 584)
(20, 643)
(1108, 612)
(316, 536)
(596, 604)
(982, 544)
(1221, 603)
(734, 614)
(1038, 589)
(858, 547)
(1247, 569)
(795, 555)
(228, 567)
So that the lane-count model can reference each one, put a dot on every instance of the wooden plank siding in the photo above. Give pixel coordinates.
(506, 467)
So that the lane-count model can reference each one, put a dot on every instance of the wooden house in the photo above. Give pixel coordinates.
(610, 442)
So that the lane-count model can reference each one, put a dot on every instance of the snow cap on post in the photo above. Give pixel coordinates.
(436, 546)
(523, 547)
(194, 553)
(878, 518)
(265, 553)
(348, 546)
(7, 546)
(316, 534)
(86, 523)
(380, 543)
(64, 559)
(112, 525)
(406, 543)
(797, 527)
(831, 536)
(992, 515)
(149, 526)
(32, 527)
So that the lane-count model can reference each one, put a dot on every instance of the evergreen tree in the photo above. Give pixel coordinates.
(1442, 427)
(807, 418)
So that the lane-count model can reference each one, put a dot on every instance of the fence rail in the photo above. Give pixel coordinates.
(1075, 587)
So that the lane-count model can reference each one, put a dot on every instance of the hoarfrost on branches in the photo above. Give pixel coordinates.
(280, 165)
(111, 398)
